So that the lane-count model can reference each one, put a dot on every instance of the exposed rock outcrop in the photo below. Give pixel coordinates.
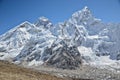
(64, 56)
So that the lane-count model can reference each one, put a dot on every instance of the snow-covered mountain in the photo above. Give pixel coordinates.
(80, 39)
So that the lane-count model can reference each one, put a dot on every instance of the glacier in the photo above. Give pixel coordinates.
(82, 39)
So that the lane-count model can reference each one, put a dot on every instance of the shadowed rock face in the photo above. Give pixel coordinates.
(65, 57)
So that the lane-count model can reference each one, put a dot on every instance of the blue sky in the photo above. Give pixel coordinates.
(14, 12)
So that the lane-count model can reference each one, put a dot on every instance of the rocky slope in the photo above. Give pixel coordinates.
(63, 56)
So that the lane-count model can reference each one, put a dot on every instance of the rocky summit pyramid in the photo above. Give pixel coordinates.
(80, 39)
(63, 56)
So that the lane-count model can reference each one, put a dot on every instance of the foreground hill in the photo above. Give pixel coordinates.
(12, 72)
(9, 71)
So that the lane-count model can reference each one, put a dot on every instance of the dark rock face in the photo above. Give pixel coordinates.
(118, 57)
(65, 57)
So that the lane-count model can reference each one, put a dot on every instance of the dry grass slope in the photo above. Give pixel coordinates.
(10, 71)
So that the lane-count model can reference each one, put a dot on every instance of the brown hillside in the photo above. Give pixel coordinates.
(10, 71)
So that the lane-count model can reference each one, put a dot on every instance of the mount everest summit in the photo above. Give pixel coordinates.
(82, 39)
